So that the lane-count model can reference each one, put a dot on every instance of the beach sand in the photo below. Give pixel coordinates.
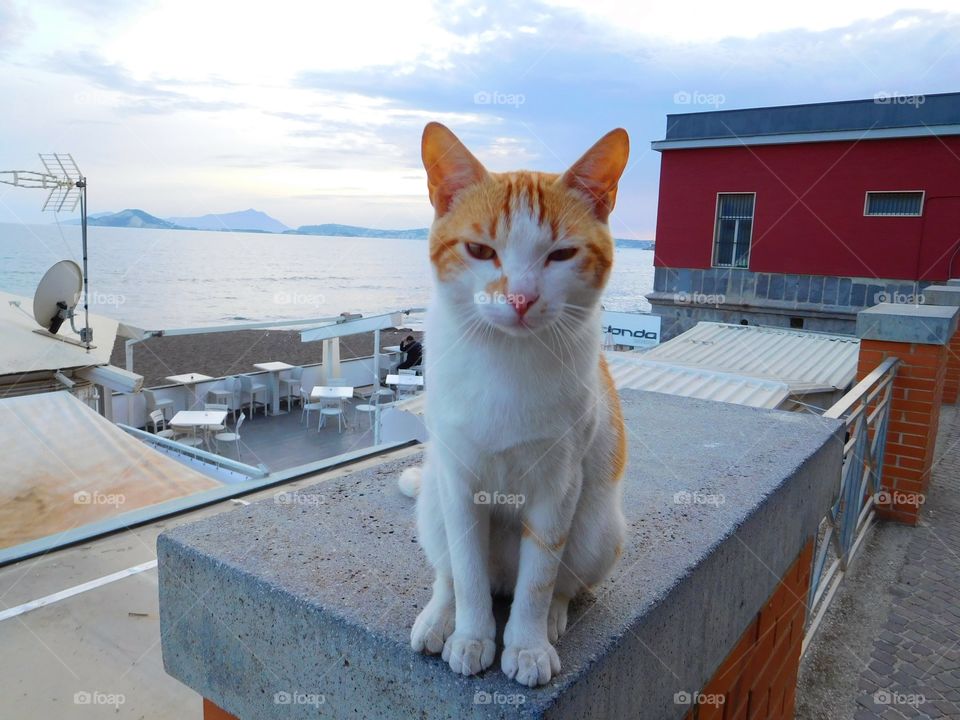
(235, 352)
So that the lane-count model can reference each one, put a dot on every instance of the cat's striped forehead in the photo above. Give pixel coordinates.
(523, 207)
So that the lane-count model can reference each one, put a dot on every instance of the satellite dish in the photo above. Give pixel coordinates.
(57, 295)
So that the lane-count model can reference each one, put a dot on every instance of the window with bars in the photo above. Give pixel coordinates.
(894, 204)
(731, 240)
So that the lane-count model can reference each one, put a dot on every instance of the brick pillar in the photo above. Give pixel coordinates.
(212, 711)
(948, 296)
(919, 336)
(758, 679)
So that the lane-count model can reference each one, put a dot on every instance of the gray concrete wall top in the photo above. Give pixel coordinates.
(301, 606)
(925, 324)
(942, 295)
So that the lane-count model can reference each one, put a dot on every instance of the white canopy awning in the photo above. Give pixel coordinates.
(69, 466)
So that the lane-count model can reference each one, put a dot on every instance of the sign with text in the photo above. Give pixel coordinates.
(633, 329)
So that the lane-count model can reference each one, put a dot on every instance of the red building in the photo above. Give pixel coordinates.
(803, 215)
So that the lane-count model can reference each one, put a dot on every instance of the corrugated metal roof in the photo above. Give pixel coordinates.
(636, 372)
(806, 361)
(642, 374)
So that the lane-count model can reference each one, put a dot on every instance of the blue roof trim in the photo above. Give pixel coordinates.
(882, 112)
(791, 138)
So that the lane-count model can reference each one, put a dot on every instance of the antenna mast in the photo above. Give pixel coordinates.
(68, 187)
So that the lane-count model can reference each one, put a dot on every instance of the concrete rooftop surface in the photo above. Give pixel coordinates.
(312, 595)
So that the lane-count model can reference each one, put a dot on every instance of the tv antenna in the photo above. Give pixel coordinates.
(68, 188)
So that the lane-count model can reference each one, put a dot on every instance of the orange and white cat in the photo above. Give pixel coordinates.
(519, 493)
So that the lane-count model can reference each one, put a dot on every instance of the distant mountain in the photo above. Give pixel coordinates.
(634, 244)
(242, 221)
(355, 231)
(132, 219)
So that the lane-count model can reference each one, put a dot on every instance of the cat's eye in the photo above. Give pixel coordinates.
(481, 251)
(562, 254)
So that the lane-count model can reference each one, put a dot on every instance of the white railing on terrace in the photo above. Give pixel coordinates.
(866, 412)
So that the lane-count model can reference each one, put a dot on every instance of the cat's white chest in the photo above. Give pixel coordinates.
(501, 400)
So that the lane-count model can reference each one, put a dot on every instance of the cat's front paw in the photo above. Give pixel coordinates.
(530, 664)
(469, 655)
(433, 626)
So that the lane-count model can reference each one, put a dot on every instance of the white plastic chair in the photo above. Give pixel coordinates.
(331, 407)
(226, 395)
(307, 405)
(154, 404)
(249, 391)
(369, 407)
(187, 435)
(290, 386)
(214, 428)
(231, 437)
(159, 423)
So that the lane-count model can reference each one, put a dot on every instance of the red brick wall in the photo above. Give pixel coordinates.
(758, 679)
(914, 418)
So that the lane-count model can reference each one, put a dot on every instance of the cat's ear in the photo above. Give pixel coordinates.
(450, 166)
(598, 171)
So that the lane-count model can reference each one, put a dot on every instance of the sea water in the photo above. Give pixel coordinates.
(161, 279)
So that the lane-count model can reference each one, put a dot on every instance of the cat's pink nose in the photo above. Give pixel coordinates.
(521, 303)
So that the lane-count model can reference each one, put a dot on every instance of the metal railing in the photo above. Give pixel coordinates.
(223, 464)
(866, 412)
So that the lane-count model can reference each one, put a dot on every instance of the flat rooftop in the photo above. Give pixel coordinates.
(885, 115)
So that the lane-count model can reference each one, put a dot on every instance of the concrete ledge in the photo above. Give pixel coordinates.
(925, 324)
(942, 295)
(314, 596)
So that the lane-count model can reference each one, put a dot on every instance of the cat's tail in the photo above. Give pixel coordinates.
(410, 480)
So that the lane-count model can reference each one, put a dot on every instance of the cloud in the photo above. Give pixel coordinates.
(14, 26)
(126, 93)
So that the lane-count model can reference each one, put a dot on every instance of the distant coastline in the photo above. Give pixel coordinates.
(259, 222)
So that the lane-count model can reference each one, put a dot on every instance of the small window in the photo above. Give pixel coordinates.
(894, 204)
(731, 240)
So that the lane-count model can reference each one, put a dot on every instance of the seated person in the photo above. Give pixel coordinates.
(413, 353)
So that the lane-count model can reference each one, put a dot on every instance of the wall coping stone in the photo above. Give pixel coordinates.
(924, 324)
(942, 295)
(315, 590)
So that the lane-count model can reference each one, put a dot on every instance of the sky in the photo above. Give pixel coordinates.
(312, 111)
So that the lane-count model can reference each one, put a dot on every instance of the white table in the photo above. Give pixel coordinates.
(274, 368)
(411, 380)
(331, 391)
(392, 349)
(199, 418)
(189, 381)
